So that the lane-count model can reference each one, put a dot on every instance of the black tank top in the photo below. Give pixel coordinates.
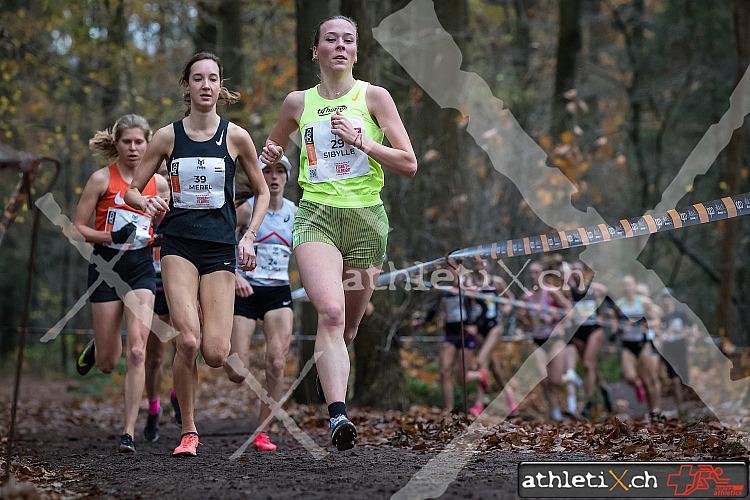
(200, 207)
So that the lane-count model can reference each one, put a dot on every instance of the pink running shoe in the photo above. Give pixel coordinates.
(188, 445)
(476, 409)
(262, 443)
(640, 392)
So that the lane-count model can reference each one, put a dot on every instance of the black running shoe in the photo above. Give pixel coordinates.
(151, 432)
(126, 444)
(87, 359)
(609, 403)
(319, 387)
(176, 408)
(343, 433)
(587, 410)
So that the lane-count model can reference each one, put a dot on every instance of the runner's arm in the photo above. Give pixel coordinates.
(400, 156)
(157, 151)
(95, 187)
(162, 190)
(244, 211)
(247, 156)
(288, 124)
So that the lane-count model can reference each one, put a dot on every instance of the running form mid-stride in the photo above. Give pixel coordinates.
(198, 229)
(264, 294)
(341, 228)
(120, 228)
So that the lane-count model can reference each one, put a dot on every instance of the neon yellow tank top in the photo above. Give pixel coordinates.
(332, 172)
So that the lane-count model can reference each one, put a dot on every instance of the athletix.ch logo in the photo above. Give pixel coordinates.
(692, 478)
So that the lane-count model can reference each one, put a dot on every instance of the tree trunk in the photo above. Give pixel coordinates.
(731, 177)
(117, 40)
(372, 365)
(568, 47)
(309, 13)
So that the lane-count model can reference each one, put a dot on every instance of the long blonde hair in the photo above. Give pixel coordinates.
(104, 142)
(226, 96)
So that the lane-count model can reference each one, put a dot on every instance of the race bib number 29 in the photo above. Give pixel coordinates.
(329, 158)
(197, 183)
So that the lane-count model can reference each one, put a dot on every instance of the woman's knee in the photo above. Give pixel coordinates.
(331, 316)
(216, 355)
(135, 355)
(106, 364)
(188, 347)
(589, 365)
(275, 363)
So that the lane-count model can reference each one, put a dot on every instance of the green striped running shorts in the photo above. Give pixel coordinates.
(360, 234)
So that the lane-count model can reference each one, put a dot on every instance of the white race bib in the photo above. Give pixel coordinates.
(117, 218)
(273, 262)
(329, 158)
(197, 183)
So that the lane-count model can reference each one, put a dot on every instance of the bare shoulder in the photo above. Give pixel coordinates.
(164, 133)
(164, 139)
(378, 96)
(100, 179)
(293, 106)
(237, 133)
(295, 100)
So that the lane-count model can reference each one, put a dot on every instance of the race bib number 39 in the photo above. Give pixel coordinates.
(329, 158)
(197, 183)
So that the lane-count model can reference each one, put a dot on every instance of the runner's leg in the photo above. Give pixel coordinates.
(135, 354)
(242, 333)
(107, 318)
(321, 267)
(181, 288)
(277, 328)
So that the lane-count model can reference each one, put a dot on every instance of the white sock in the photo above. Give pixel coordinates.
(572, 404)
(556, 414)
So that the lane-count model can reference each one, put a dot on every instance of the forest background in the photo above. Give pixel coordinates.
(617, 93)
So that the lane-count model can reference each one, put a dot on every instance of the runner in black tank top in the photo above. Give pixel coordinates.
(197, 251)
(589, 337)
(200, 163)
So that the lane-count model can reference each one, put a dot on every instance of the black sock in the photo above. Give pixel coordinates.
(187, 434)
(337, 408)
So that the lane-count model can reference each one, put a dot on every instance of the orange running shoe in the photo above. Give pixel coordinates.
(188, 445)
(262, 443)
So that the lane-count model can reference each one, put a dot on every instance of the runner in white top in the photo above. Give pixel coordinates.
(264, 294)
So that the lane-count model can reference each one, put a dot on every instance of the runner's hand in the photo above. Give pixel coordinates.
(154, 205)
(241, 287)
(246, 253)
(342, 128)
(123, 234)
(271, 153)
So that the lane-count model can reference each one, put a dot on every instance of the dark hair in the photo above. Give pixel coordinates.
(316, 33)
(225, 96)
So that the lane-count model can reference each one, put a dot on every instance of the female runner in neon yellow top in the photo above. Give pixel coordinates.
(341, 228)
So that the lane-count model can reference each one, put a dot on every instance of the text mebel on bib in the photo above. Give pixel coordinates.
(197, 183)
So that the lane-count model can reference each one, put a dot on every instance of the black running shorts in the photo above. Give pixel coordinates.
(134, 267)
(263, 299)
(206, 256)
